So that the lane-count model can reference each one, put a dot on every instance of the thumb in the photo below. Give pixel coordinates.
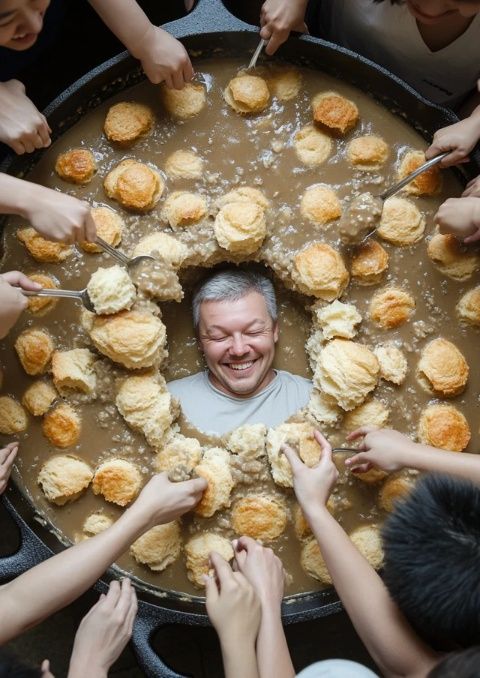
(211, 590)
(362, 431)
(293, 458)
(198, 485)
(357, 459)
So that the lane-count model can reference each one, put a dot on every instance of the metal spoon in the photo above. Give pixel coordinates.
(256, 54)
(349, 450)
(80, 295)
(119, 256)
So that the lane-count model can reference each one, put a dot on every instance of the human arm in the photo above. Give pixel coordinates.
(460, 217)
(278, 18)
(264, 571)
(104, 632)
(22, 126)
(46, 588)
(12, 301)
(234, 610)
(55, 215)
(459, 138)
(392, 451)
(391, 642)
(7, 457)
(163, 58)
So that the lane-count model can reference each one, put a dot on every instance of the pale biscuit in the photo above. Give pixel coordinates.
(215, 468)
(247, 94)
(319, 271)
(76, 166)
(335, 112)
(63, 478)
(320, 205)
(182, 208)
(468, 307)
(338, 320)
(442, 369)
(300, 524)
(427, 183)
(367, 153)
(43, 250)
(393, 364)
(34, 349)
(134, 185)
(370, 413)
(184, 164)
(313, 347)
(40, 306)
(179, 456)
(163, 246)
(131, 338)
(109, 227)
(248, 441)
(240, 227)
(313, 563)
(396, 487)
(197, 553)
(285, 84)
(118, 481)
(62, 425)
(372, 476)
(111, 290)
(260, 517)
(368, 541)
(183, 103)
(13, 418)
(95, 523)
(299, 437)
(246, 194)
(453, 258)
(128, 121)
(322, 409)
(159, 547)
(347, 371)
(443, 426)
(401, 222)
(39, 397)
(312, 146)
(369, 263)
(73, 370)
(391, 307)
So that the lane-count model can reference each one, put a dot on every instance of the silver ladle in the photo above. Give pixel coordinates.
(80, 295)
(119, 256)
(413, 175)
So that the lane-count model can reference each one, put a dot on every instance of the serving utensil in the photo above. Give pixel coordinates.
(80, 295)
(406, 180)
(120, 257)
(256, 54)
(348, 450)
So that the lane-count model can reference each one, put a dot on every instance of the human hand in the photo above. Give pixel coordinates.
(22, 126)
(278, 18)
(459, 138)
(313, 486)
(460, 217)
(472, 189)
(381, 448)
(7, 457)
(12, 301)
(163, 58)
(104, 631)
(262, 568)
(232, 605)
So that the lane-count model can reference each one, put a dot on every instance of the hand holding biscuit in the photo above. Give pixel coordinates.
(13, 302)
(459, 138)
(163, 58)
(22, 126)
(7, 457)
(460, 217)
(381, 448)
(278, 18)
(263, 569)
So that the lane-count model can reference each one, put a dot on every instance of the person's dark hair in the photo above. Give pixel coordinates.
(432, 560)
(12, 667)
(464, 664)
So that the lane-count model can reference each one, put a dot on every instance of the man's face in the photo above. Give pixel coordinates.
(238, 340)
(21, 22)
(431, 12)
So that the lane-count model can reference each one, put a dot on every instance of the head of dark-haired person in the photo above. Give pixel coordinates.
(432, 560)
(464, 664)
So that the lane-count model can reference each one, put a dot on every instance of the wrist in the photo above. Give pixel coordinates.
(141, 45)
(81, 666)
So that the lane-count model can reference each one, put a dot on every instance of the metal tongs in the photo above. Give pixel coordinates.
(256, 54)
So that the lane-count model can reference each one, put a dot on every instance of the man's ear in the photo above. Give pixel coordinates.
(275, 332)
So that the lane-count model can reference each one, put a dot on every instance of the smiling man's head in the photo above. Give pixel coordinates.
(235, 317)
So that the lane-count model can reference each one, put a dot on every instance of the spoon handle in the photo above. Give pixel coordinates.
(350, 450)
(71, 294)
(119, 256)
(256, 54)
(423, 168)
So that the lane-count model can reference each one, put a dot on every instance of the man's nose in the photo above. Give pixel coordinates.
(32, 20)
(238, 345)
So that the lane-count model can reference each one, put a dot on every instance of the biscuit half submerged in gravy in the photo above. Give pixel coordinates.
(247, 94)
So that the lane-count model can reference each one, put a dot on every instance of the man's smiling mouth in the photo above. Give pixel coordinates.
(238, 367)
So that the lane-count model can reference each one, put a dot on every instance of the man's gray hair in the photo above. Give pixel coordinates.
(232, 285)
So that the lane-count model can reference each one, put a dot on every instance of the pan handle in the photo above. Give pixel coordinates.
(207, 16)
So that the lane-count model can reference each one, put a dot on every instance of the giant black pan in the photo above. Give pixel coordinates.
(209, 29)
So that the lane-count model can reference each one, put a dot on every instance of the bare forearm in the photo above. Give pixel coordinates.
(15, 195)
(273, 656)
(425, 458)
(125, 19)
(239, 660)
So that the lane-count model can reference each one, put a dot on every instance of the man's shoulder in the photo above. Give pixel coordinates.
(289, 381)
(183, 385)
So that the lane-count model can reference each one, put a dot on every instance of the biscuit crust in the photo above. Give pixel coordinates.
(34, 349)
(159, 547)
(240, 227)
(43, 250)
(39, 397)
(453, 258)
(320, 205)
(427, 183)
(197, 552)
(40, 306)
(64, 478)
(128, 121)
(442, 368)
(134, 185)
(109, 226)
(367, 153)
(62, 425)
(369, 263)
(368, 541)
(395, 488)
(313, 563)
(401, 222)
(76, 166)
(468, 307)
(215, 468)
(13, 418)
(184, 164)
(319, 271)
(444, 426)
(335, 112)
(391, 307)
(118, 481)
(247, 94)
(183, 103)
(312, 146)
(259, 517)
(182, 208)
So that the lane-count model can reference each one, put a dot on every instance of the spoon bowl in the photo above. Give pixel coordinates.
(80, 295)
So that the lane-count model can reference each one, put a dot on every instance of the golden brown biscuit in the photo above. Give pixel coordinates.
(178, 457)
(182, 208)
(319, 271)
(62, 425)
(39, 397)
(246, 194)
(285, 84)
(73, 370)
(322, 409)
(391, 307)
(369, 263)
(162, 246)
(95, 523)
(247, 94)
(215, 468)
(337, 319)
(468, 308)
(34, 349)
(260, 517)
(335, 112)
(442, 425)
(401, 222)
(118, 481)
(368, 541)
(240, 227)
(197, 552)
(159, 547)
(453, 258)
(367, 153)
(372, 476)
(300, 524)
(134, 185)
(109, 226)
(312, 146)
(183, 103)
(41, 249)
(111, 290)
(347, 371)
(300, 437)
(442, 369)
(313, 563)
(320, 205)
(397, 487)
(127, 121)
(427, 183)
(132, 338)
(370, 413)
(40, 306)
(12, 416)
(63, 478)
(184, 165)
(76, 166)
(393, 364)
